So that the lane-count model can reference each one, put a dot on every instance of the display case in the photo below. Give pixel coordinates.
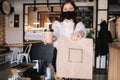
(34, 34)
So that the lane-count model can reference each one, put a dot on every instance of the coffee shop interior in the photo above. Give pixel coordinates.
(22, 23)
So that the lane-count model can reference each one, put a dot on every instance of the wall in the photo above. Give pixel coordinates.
(15, 35)
(2, 29)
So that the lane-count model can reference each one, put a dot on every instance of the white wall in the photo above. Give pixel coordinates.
(15, 35)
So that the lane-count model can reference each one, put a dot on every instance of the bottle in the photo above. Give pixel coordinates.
(49, 34)
(49, 72)
(19, 76)
(15, 75)
(10, 77)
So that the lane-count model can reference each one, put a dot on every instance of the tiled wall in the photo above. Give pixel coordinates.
(2, 28)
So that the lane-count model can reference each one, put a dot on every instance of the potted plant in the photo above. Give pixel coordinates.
(90, 34)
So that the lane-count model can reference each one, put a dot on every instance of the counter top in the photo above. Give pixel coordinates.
(115, 45)
(30, 42)
(33, 35)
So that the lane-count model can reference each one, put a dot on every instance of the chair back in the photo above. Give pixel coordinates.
(28, 48)
(41, 51)
(45, 54)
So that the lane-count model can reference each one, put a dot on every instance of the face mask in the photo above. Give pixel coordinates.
(68, 14)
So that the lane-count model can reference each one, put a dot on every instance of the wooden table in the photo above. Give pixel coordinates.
(1, 49)
(22, 67)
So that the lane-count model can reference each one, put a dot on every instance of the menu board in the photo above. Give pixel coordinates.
(85, 14)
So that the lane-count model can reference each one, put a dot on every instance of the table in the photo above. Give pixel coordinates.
(3, 53)
(22, 67)
(1, 50)
(16, 49)
(9, 72)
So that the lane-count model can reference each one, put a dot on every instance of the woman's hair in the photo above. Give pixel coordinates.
(73, 4)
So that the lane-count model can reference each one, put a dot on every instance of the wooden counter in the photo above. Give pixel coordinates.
(114, 62)
(31, 42)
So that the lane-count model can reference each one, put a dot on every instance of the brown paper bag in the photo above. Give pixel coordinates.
(75, 58)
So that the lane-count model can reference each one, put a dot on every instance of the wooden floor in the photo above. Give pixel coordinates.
(4, 73)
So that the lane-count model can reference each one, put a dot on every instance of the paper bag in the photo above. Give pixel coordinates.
(75, 58)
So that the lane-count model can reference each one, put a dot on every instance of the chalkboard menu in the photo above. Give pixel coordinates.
(85, 14)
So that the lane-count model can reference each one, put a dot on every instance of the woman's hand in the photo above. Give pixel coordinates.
(77, 35)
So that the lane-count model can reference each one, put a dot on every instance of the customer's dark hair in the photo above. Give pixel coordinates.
(73, 4)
